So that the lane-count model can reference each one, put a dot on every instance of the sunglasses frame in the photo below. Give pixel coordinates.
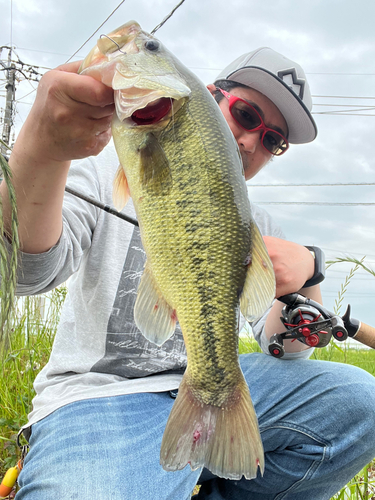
(232, 100)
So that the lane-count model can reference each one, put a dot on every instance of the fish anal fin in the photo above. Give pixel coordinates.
(121, 193)
(260, 285)
(225, 440)
(155, 172)
(152, 314)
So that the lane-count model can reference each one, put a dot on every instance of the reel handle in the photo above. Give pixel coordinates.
(366, 335)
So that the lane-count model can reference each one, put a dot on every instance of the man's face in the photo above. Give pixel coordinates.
(254, 155)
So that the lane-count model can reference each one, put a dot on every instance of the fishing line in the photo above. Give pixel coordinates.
(110, 15)
(166, 18)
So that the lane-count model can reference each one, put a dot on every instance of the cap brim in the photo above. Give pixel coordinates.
(301, 125)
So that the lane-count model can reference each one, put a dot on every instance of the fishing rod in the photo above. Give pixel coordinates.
(102, 206)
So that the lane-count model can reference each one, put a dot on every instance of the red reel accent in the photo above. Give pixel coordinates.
(313, 340)
(303, 317)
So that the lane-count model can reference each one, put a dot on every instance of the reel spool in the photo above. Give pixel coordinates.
(302, 317)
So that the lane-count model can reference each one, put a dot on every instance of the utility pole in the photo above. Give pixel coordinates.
(15, 71)
(10, 87)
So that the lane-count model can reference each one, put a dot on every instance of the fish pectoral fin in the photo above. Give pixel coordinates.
(260, 286)
(152, 314)
(225, 439)
(121, 193)
(155, 172)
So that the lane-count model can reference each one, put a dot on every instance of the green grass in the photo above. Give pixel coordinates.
(33, 325)
(29, 348)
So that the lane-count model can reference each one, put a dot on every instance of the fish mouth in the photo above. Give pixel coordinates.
(153, 112)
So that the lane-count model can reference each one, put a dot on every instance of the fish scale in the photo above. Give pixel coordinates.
(205, 255)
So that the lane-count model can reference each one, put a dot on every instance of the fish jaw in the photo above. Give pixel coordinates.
(131, 96)
(138, 76)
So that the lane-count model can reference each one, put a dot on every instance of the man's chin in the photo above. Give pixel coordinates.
(250, 168)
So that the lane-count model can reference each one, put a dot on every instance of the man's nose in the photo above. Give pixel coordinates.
(249, 141)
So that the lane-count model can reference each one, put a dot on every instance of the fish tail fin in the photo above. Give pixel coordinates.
(224, 439)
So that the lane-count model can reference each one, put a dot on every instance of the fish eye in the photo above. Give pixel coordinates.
(152, 45)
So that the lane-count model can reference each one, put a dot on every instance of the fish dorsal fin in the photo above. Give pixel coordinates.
(152, 314)
(121, 193)
(259, 288)
(155, 172)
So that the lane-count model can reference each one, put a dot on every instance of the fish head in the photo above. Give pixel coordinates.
(148, 88)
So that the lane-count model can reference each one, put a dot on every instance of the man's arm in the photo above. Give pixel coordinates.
(70, 119)
(293, 265)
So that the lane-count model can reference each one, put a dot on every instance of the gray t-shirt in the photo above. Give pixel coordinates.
(98, 351)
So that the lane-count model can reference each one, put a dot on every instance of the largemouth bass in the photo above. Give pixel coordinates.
(205, 256)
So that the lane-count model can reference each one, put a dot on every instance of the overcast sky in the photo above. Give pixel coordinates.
(333, 40)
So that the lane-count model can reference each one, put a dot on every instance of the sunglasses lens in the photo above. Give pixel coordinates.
(274, 143)
(249, 119)
(245, 115)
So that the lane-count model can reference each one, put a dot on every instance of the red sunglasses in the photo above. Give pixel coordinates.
(248, 118)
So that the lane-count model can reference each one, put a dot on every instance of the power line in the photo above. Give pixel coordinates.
(342, 97)
(307, 73)
(370, 278)
(366, 106)
(340, 74)
(355, 111)
(31, 92)
(44, 52)
(315, 184)
(339, 251)
(337, 113)
(332, 293)
(320, 203)
(364, 273)
(213, 69)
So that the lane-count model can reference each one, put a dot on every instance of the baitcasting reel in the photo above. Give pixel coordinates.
(310, 323)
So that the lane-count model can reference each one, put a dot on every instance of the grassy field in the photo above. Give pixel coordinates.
(33, 329)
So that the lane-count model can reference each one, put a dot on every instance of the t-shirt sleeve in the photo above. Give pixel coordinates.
(39, 273)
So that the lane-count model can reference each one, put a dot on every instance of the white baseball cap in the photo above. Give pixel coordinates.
(281, 80)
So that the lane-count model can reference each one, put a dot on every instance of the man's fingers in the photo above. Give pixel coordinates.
(97, 113)
(69, 88)
(71, 67)
(87, 90)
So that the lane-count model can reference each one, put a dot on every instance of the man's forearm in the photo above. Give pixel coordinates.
(293, 266)
(39, 195)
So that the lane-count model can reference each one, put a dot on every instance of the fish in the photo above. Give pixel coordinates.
(205, 257)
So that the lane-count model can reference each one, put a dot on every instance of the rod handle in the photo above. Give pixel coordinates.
(366, 335)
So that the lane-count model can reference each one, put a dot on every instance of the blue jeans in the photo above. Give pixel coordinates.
(317, 421)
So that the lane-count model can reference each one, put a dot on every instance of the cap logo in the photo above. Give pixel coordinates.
(290, 78)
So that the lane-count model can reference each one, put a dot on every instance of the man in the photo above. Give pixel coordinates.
(104, 397)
